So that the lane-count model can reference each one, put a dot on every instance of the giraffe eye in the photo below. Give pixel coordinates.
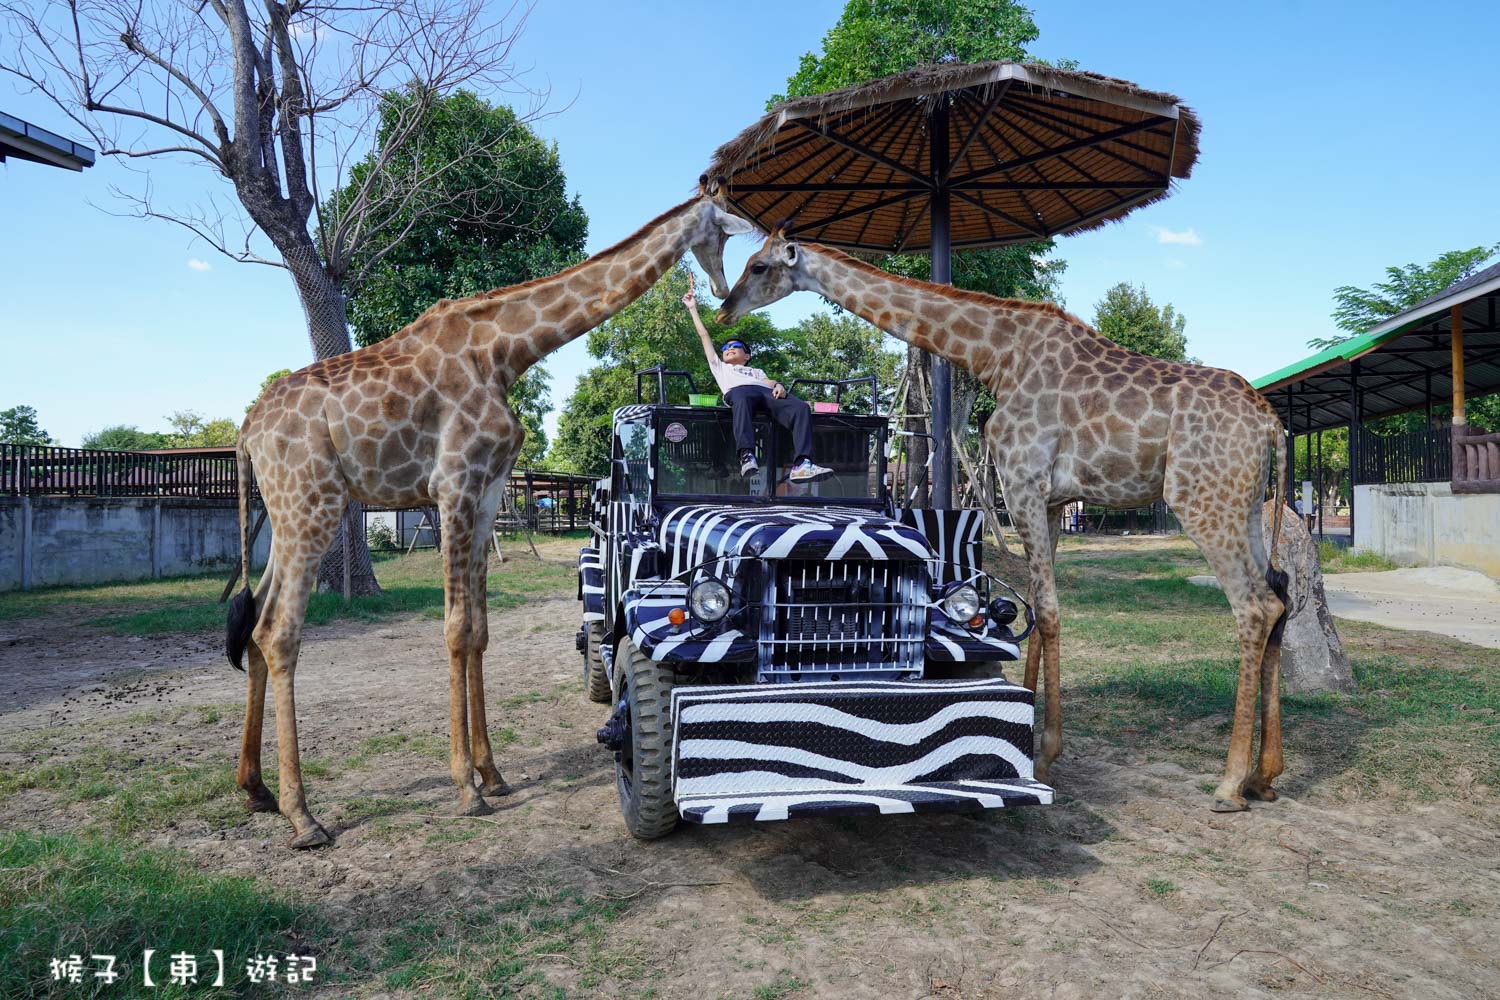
(757, 269)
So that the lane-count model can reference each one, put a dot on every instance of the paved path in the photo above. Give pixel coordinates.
(1458, 603)
(1453, 602)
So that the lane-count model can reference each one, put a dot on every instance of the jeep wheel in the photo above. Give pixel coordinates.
(596, 678)
(643, 767)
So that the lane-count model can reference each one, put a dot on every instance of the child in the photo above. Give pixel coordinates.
(747, 390)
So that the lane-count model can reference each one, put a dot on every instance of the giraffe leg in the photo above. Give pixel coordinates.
(278, 635)
(258, 796)
(458, 626)
(490, 780)
(1271, 764)
(1256, 609)
(1034, 646)
(1030, 517)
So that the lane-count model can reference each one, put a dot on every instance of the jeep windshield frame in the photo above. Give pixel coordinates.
(769, 438)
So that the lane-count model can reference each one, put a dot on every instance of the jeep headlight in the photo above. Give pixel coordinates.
(708, 600)
(961, 603)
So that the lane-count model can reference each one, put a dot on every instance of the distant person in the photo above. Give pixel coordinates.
(748, 391)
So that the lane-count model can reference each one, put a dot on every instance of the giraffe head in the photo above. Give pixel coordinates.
(773, 272)
(715, 225)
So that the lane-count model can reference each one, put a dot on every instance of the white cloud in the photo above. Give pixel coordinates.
(199, 265)
(1188, 237)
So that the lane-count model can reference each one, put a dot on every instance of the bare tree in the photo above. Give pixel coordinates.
(288, 102)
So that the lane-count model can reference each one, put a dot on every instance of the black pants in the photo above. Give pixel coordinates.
(791, 413)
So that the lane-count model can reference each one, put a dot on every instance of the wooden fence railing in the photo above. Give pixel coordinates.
(44, 470)
(1476, 461)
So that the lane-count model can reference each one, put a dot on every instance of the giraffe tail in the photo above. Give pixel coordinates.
(242, 611)
(1277, 578)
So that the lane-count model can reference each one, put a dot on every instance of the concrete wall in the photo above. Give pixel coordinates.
(1426, 524)
(51, 541)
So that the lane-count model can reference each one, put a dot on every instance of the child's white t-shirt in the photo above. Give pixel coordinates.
(734, 376)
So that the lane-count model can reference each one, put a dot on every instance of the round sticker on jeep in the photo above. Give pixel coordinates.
(676, 433)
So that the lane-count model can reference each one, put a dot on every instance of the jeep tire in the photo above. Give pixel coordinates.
(596, 678)
(643, 768)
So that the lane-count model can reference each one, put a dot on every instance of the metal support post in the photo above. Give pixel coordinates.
(942, 274)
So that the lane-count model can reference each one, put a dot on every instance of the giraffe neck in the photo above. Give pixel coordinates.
(982, 334)
(514, 328)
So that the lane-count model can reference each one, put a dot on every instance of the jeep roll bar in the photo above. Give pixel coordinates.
(661, 372)
(841, 384)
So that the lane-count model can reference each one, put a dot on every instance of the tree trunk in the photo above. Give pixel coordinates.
(1312, 657)
(327, 326)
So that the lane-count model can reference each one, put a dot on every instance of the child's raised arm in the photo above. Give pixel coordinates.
(691, 302)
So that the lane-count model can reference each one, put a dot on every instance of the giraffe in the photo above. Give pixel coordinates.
(1078, 417)
(419, 419)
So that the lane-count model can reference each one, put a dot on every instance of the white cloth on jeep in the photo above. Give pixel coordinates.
(734, 376)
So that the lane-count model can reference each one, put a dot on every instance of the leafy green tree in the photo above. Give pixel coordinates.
(480, 222)
(875, 38)
(1127, 316)
(655, 329)
(19, 425)
(1358, 310)
(126, 437)
(531, 399)
(470, 227)
(842, 346)
(191, 429)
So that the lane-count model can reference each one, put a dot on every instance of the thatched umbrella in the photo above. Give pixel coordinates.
(957, 157)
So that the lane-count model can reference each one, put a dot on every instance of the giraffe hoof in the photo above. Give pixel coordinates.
(314, 836)
(1263, 793)
(496, 789)
(1233, 805)
(474, 806)
(261, 802)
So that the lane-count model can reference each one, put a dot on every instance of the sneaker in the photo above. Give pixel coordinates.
(748, 465)
(806, 472)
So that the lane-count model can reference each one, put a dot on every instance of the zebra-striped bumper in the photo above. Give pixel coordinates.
(780, 751)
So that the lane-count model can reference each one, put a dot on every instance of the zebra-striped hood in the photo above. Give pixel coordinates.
(694, 534)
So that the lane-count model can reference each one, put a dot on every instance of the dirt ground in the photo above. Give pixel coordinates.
(1128, 887)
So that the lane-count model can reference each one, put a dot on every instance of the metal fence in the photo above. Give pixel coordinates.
(1416, 457)
(44, 470)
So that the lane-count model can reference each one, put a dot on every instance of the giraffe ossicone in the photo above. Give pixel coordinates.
(419, 419)
(1077, 417)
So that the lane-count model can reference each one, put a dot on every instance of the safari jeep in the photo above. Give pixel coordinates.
(774, 650)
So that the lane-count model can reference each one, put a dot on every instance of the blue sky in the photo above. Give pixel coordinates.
(1338, 138)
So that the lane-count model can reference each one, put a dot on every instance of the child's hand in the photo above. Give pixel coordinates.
(690, 300)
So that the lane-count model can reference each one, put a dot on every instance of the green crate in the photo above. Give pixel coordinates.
(702, 399)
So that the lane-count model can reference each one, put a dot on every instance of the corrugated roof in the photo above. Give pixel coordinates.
(1404, 361)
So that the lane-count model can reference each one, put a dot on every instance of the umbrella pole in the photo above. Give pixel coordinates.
(942, 274)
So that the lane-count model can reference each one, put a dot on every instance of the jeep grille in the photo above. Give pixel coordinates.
(820, 619)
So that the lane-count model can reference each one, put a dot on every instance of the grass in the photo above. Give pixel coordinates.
(64, 895)
(1151, 661)
(1338, 559)
(410, 584)
(502, 949)
(1160, 887)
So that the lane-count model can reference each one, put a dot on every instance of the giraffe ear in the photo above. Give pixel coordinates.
(733, 225)
(789, 253)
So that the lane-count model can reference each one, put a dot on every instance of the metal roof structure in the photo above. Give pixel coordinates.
(1403, 364)
(25, 141)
